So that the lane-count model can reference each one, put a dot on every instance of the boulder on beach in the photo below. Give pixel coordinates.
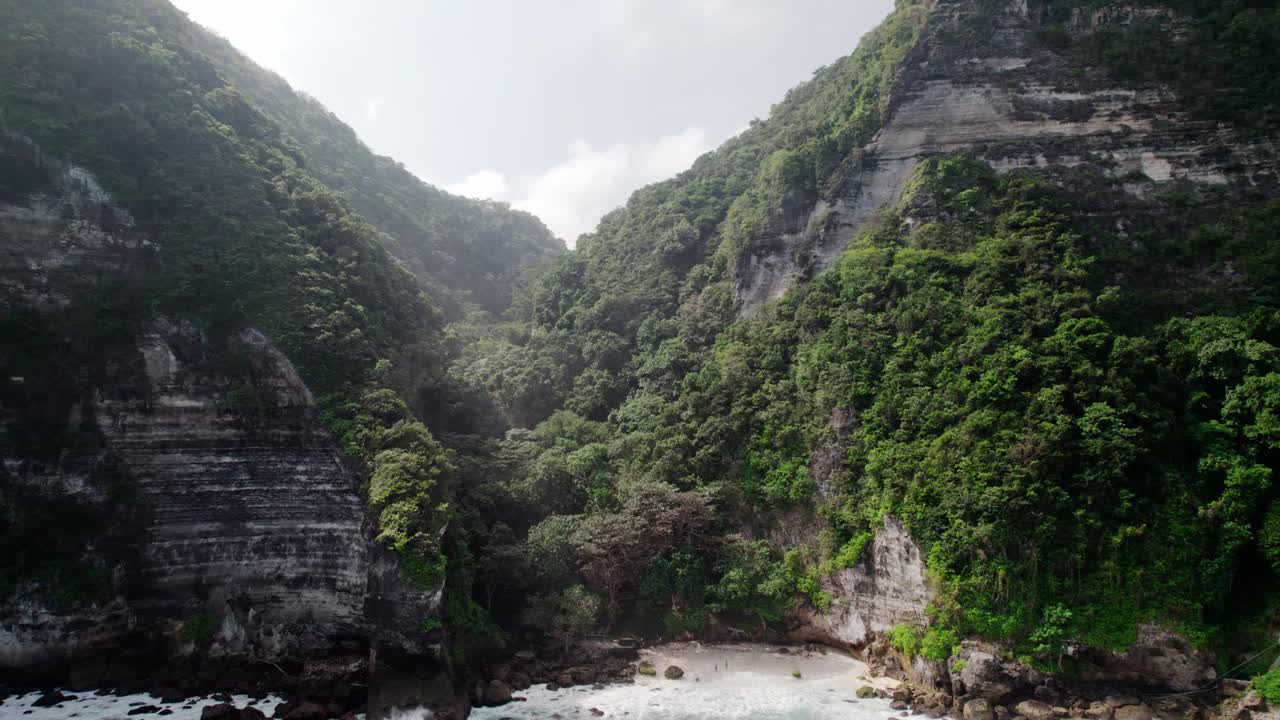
(979, 709)
(1034, 710)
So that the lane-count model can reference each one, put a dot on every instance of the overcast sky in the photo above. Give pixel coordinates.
(560, 107)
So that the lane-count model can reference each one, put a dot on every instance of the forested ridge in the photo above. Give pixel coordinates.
(259, 209)
(1068, 393)
(1076, 424)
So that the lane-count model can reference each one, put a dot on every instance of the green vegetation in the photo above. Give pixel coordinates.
(1077, 420)
(1076, 424)
(566, 615)
(1268, 686)
(1221, 64)
(260, 210)
(200, 627)
(906, 639)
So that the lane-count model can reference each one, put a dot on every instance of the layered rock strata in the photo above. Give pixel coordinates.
(978, 82)
(236, 534)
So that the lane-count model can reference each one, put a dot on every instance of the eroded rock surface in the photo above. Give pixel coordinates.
(229, 506)
(1012, 103)
(887, 588)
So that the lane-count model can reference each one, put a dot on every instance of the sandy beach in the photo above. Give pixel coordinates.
(720, 682)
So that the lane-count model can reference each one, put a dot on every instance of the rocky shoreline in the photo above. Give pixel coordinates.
(981, 683)
(978, 683)
(332, 687)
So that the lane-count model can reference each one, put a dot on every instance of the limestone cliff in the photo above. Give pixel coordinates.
(887, 588)
(233, 531)
(979, 82)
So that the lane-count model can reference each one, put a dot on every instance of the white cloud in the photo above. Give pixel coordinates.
(373, 108)
(260, 29)
(674, 153)
(572, 195)
(485, 183)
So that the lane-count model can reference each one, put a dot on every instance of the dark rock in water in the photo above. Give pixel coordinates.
(51, 698)
(553, 686)
(865, 692)
(220, 712)
(520, 681)
(144, 710)
(172, 695)
(673, 672)
(226, 711)
(597, 712)
(165, 711)
(495, 692)
(897, 705)
(307, 711)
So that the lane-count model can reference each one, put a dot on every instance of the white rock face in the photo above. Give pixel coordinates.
(1016, 106)
(887, 588)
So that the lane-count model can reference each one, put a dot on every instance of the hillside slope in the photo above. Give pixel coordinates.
(1004, 278)
(209, 345)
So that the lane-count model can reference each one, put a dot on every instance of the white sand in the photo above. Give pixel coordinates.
(721, 682)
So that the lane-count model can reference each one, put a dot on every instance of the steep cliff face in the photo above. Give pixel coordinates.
(250, 516)
(980, 82)
(56, 222)
(885, 589)
(231, 526)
